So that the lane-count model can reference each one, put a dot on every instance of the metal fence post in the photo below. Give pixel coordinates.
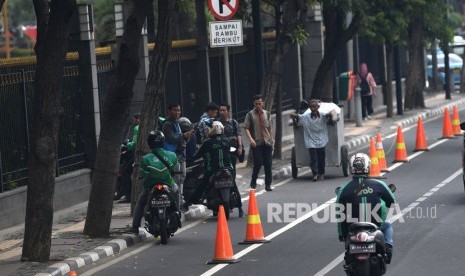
(25, 109)
(1, 174)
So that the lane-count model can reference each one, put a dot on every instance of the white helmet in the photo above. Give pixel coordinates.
(217, 129)
(360, 164)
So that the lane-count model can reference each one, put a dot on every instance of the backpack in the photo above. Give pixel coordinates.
(364, 86)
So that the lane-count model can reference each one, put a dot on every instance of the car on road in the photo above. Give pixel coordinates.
(455, 64)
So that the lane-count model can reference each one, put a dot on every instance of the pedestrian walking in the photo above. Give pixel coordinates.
(259, 133)
(367, 85)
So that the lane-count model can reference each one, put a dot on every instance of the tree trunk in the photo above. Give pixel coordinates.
(415, 72)
(389, 103)
(202, 60)
(151, 24)
(435, 82)
(278, 131)
(294, 15)
(336, 37)
(114, 114)
(53, 25)
(155, 90)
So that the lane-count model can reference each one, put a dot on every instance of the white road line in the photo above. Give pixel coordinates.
(150, 244)
(340, 258)
(273, 235)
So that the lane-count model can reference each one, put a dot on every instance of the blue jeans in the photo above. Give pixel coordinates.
(388, 232)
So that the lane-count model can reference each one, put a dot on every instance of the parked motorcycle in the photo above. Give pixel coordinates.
(365, 248)
(161, 218)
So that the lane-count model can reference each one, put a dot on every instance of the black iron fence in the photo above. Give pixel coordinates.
(16, 104)
(17, 100)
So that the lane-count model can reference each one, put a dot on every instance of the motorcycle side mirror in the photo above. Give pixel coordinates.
(392, 187)
(336, 191)
(232, 149)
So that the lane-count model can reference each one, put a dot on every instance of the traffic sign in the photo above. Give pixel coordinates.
(226, 33)
(223, 9)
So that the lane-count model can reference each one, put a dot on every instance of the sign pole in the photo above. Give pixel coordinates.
(227, 75)
(225, 33)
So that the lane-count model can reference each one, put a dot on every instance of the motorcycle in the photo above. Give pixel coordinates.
(365, 248)
(220, 192)
(161, 218)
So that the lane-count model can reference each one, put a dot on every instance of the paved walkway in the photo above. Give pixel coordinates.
(71, 249)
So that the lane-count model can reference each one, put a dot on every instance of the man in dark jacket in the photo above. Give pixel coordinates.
(215, 152)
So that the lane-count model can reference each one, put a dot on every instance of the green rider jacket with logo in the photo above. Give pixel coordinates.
(365, 196)
(153, 170)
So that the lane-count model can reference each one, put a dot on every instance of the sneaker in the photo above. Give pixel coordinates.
(241, 213)
(369, 117)
(268, 189)
(253, 185)
(315, 178)
(388, 256)
(321, 178)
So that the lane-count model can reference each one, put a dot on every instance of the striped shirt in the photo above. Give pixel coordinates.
(315, 130)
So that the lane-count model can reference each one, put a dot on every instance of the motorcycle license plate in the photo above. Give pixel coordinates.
(223, 184)
(160, 203)
(362, 248)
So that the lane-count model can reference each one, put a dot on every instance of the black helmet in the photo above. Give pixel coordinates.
(155, 139)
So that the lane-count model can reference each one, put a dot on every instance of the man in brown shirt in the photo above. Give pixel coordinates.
(258, 130)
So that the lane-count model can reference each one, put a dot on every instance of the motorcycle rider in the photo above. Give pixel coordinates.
(215, 152)
(363, 192)
(232, 131)
(126, 162)
(153, 170)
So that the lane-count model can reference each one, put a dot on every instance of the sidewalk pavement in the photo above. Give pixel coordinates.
(72, 250)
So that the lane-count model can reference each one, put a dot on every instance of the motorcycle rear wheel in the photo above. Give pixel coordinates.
(164, 236)
(224, 193)
(362, 268)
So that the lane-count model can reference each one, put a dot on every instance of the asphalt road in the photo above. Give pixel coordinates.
(428, 233)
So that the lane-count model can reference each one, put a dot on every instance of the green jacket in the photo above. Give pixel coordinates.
(153, 170)
(132, 144)
(215, 153)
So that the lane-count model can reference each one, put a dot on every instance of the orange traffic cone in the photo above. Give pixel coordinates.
(374, 167)
(401, 152)
(421, 137)
(254, 231)
(456, 122)
(72, 273)
(223, 248)
(380, 154)
(447, 132)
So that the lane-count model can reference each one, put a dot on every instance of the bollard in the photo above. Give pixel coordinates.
(358, 107)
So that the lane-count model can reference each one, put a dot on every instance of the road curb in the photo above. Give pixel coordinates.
(364, 140)
(108, 249)
(114, 246)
